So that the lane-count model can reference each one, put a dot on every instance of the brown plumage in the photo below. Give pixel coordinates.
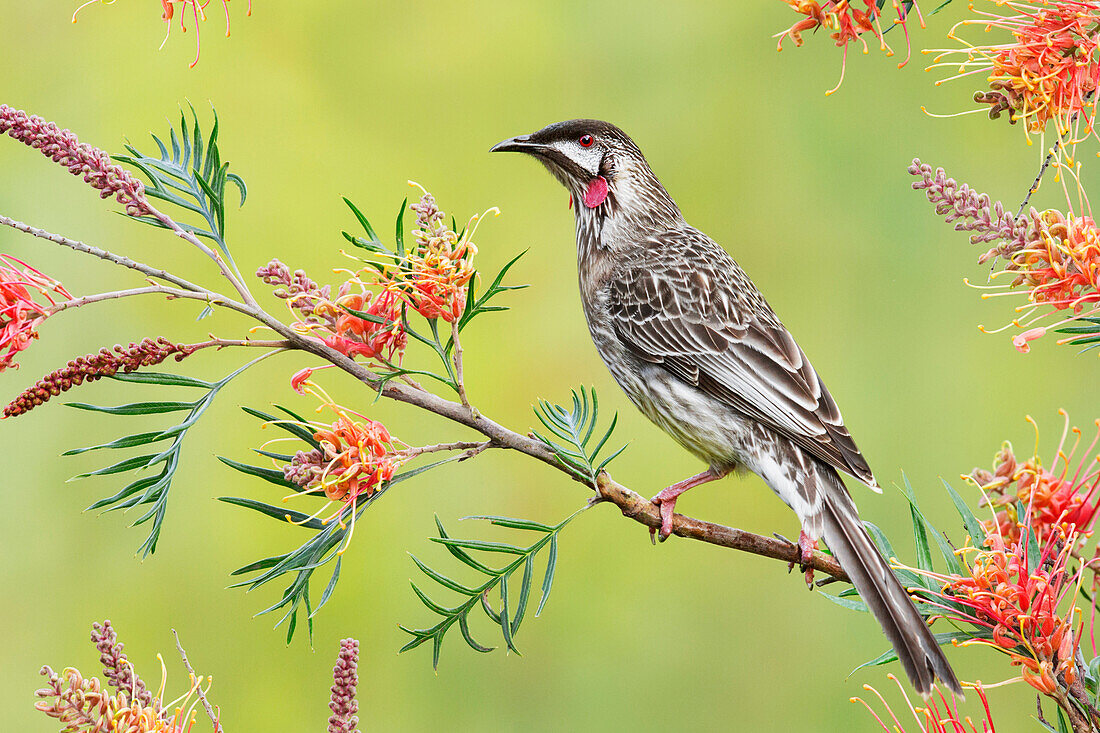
(696, 347)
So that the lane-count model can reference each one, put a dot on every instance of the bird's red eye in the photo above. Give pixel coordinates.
(586, 141)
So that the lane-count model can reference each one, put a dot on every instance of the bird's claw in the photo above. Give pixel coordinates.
(666, 502)
(806, 547)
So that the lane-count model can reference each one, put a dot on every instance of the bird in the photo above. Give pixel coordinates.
(696, 347)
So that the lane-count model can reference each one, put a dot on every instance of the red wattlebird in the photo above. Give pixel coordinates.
(696, 347)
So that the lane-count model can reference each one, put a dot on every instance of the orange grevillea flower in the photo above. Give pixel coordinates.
(26, 296)
(1058, 266)
(355, 457)
(85, 704)
(1063, 497)
(941, 715)
(433, 277)
(1047, 69)
(196, 9)
(848, 22)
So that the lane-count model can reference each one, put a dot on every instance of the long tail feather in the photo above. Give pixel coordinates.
(920, 655)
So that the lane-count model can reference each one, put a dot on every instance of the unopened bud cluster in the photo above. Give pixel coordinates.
(91, 367)
(345, 678)
(81, 159)
(299, 291)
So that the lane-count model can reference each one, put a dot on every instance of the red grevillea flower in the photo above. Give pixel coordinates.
(382, 336)
(848, 23)
(1049, 70)
(25, 299)
(941, 716)
(1062, 498)
(81, 159)
(1018, 603)
(195, 8)
(355, 336)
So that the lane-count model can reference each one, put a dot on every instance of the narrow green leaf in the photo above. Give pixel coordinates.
(444, 580)
(970, 522)
(480, 545)
(128, 464)
(464, 627)
(524, 593)
(283, 515)
(513, 523)
(920, 538)
(548, 577)
(128, 441)
(505, 625)
(136, 408)
(851, 605)
(400, 238)
(267, 474)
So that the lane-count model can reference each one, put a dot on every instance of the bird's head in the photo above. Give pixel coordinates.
(599, 164)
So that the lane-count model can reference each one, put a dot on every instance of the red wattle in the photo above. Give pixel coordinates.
(596, 192)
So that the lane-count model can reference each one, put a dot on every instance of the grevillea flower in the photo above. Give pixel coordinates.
(1019, 582)
(85, 705)
(195, 8)
(942, 715)
(88, 368)
(1048, 71)
(433, 277)
(1018, 602)
(1062, 498)
(1052, 257)
(355, 457)
(26, 296)
(79, 158)
(381, 336)
(345, 678)
(848, 23)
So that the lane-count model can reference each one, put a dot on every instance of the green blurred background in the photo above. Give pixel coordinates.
(324, 99)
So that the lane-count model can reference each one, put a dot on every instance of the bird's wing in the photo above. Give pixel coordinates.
(686, 305)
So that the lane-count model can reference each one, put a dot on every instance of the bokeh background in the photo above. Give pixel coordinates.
(326, 99)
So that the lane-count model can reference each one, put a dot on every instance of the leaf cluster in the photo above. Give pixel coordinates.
(189, 173)
(151, 490)
(575, 428)
(513, 602)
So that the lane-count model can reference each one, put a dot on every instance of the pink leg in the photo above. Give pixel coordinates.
(666, 500)
(806, 547)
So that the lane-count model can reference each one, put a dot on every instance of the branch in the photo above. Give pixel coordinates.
(210, 298)
(640, 509)
(198, 688)
(633, 505)
(101, 254)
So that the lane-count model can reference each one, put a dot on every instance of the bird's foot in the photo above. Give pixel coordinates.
(666, 502)
(806, 547)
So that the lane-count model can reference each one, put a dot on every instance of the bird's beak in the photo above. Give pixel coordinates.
(519, 144)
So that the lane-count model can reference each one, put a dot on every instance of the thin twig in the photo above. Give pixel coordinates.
(468, 446)
(457, 356)
(1038, 179)
(198, 687)
(148, 290)
(226, 271)
(101, 254)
